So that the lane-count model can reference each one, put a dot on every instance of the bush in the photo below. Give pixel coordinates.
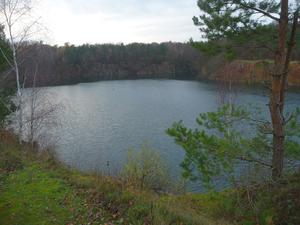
(10, 159)
(146, 170)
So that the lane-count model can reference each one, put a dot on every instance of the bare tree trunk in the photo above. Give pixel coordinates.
(19, 91)
(275, 97)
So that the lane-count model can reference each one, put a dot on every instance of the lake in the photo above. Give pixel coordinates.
(102, 120)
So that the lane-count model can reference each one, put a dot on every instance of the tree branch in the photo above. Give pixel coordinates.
(247, 6)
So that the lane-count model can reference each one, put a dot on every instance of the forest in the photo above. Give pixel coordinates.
(71, 64)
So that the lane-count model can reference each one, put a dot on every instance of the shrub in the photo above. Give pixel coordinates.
(146, 170)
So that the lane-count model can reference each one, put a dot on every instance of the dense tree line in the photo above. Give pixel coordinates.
(71, 64)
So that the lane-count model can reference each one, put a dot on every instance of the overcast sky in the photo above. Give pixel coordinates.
(108, 21)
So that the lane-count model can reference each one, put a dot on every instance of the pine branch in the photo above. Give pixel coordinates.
(247, 6)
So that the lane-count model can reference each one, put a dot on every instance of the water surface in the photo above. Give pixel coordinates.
(102, 120)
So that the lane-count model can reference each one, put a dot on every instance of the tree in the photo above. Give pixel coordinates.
(6, 89)
(233, 20)
(40, 113)
(16, 13)
(6, 104)
(230, 136)
(40, 117)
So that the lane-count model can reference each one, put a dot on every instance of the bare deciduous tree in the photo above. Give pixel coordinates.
(15, 16)
(40, 111)
(40, 115)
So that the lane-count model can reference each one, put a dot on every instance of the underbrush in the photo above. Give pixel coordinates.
(36, 189)
(260, 204)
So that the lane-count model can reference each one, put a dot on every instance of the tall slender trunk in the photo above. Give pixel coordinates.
(19, 89)
(276, 92)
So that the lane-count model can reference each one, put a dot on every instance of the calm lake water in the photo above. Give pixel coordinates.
(102, 120)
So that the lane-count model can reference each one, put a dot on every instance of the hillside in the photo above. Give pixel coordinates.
(36, 189)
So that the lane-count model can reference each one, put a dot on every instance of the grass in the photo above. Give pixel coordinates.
(34, 196)
(36, 189)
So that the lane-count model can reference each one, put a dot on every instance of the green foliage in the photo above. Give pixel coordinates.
(210, 48)
(5, 53)
(227, 136)
(231, 19)
(146, 170)
(237, 26)
(6, 105)
(292, 148)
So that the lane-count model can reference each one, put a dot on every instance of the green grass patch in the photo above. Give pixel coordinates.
(34, 196)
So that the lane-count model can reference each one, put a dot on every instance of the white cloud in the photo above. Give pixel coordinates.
(103, 21)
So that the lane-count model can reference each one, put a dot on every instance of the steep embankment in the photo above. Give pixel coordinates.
(249, 71)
